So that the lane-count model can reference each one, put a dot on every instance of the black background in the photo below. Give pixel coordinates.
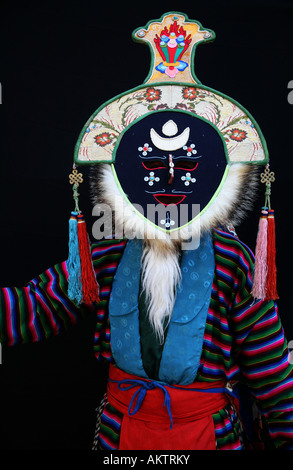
(58, 63)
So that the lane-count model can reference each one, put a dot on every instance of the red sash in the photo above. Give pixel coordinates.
(161, 417)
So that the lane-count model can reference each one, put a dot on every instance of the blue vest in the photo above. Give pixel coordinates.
(183, 345)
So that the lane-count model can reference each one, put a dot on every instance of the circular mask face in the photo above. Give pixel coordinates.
(169, 165)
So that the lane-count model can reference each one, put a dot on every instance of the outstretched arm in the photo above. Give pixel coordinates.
(38, 310)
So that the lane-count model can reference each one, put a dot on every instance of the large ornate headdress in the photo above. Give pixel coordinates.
(172, 150)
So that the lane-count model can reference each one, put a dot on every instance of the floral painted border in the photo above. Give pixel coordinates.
(244, 142)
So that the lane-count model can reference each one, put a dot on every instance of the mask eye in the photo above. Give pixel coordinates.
(185, 165)
(153, 164)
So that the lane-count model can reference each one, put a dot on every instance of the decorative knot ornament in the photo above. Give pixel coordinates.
(267, 176)
(75, 177)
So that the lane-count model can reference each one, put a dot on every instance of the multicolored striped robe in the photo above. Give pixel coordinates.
(243, 341)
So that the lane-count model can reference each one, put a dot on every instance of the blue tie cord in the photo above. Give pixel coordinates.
(140, 394)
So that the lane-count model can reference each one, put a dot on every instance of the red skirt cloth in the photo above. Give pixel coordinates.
(161, 417)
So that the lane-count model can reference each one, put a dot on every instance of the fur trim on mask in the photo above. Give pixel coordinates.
(230, 206)
(160, 274)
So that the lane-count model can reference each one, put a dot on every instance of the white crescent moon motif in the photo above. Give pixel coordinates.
(170, 143)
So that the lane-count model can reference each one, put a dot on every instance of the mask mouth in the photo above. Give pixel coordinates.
(167, 199)
(231, 205)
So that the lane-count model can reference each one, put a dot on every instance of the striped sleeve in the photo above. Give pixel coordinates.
(262, 351)
(265, 363)
(106, 256)
(38, 310)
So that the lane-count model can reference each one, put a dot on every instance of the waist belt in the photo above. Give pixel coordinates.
(160, 416)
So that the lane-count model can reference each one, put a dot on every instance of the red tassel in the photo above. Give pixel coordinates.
(90, 287)
(271, 293)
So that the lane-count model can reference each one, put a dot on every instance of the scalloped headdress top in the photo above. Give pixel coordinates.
(171, 87)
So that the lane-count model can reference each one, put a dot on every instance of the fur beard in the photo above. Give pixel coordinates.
(160, 273)
(160, 277)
